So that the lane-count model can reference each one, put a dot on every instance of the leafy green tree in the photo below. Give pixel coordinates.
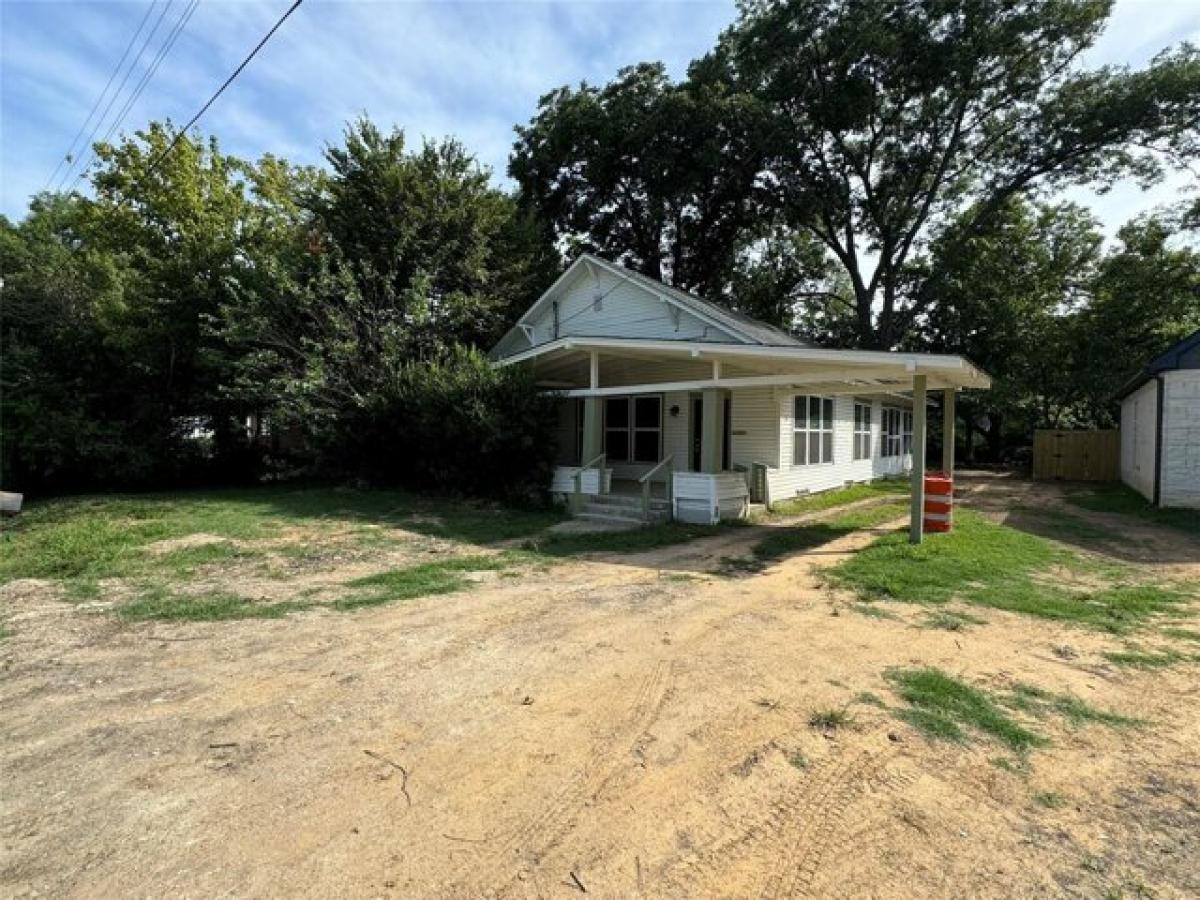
(657, 175)
(61, 422)
(393, 258)
(1146, 296)
(1010, 301)
(890, 120)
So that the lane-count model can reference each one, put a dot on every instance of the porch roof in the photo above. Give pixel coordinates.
(583, 366)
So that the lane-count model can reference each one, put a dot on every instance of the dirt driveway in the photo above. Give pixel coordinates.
(622, 728)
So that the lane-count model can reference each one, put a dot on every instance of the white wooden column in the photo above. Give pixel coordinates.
(712, 429)
(593, 437)
(948, 401)
(917, 524)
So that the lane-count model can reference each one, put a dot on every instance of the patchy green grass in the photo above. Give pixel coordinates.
(1127, 502)
(870, 699)
(798, 761)
(423, 580)
(159, 602)
(991, 565)
(1039, 702)
(1064, 525)
(1049, 799)
(1143, 659)
(633, 540)
(830, 719)
(945, 708)
(840, 497)
(1018, 766)
(1182, 634)
(783, 541)
(947, 620)
(105, 536)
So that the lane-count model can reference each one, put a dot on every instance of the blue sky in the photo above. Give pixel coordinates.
(434, 68)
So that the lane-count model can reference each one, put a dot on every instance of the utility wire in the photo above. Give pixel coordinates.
(228, 81)
(161, 54)
(163, 50)
(111, 100)
(100, 99)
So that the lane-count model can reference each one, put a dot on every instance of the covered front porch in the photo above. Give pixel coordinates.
(697, 431)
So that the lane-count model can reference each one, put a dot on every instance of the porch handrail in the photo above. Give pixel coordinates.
(577, 496)
(669, 462)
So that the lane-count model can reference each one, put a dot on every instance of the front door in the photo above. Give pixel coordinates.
(698, 432)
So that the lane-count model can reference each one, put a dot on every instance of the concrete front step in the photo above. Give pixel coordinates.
(613, 518)
(626, 501)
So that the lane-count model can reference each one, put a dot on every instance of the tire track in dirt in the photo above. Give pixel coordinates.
(496, 868)
(787, 839)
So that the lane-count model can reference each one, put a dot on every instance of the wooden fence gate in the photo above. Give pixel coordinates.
(1077, 455)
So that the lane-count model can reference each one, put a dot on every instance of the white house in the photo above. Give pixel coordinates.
(1160, 427)
(712, 409)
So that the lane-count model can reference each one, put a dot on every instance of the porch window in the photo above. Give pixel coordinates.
(633, 429)
(897, 432)
(812, 431)
(862, 430)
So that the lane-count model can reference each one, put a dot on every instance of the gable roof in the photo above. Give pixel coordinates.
(742, 328)
(1184, 354)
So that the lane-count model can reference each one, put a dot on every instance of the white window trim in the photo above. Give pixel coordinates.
(822, 430)
(886, 439)
(861, 443)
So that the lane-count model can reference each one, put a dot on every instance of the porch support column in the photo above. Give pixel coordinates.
(948, 399)
(593, 439)
(713, 405)
(917, 524)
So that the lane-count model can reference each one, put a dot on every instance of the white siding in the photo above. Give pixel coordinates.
(1181, 439)
(754, 425)
(624, 310)
(1139, 437)
(789, 480)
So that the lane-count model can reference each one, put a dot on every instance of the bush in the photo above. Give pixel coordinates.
(456, 425)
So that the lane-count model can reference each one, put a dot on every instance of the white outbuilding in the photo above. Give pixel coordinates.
(1160, 427)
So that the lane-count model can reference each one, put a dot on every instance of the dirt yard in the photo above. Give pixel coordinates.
(634, 726)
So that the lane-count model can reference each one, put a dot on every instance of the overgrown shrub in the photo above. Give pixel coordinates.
(454, 425)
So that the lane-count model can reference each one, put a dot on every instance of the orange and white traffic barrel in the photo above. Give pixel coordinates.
(939, 501)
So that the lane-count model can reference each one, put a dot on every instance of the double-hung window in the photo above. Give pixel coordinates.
(633, 429)
(812, 431)
(891, 426)
(862, 430)
(907, 433)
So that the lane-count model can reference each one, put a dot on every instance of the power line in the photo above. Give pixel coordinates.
(228, 81)
(113, 99)
(95, 106)
(161, 54)
(163, 50)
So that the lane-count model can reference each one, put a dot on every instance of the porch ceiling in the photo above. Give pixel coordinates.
(646, 366)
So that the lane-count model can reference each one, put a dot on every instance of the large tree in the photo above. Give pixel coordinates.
(1010, 301)
(395, 256)
(889, 119)
(655, 174)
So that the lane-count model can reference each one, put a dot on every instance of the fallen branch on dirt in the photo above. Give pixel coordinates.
(395, 765)
(578, 883)
(465, 840)
(223, 746)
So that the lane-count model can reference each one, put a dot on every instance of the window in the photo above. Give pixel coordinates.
(891, 432)
(633, 429)
(862, 430)
(897, 432)
(812, 431)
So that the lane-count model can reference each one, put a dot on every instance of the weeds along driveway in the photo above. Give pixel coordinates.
(629, 727)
